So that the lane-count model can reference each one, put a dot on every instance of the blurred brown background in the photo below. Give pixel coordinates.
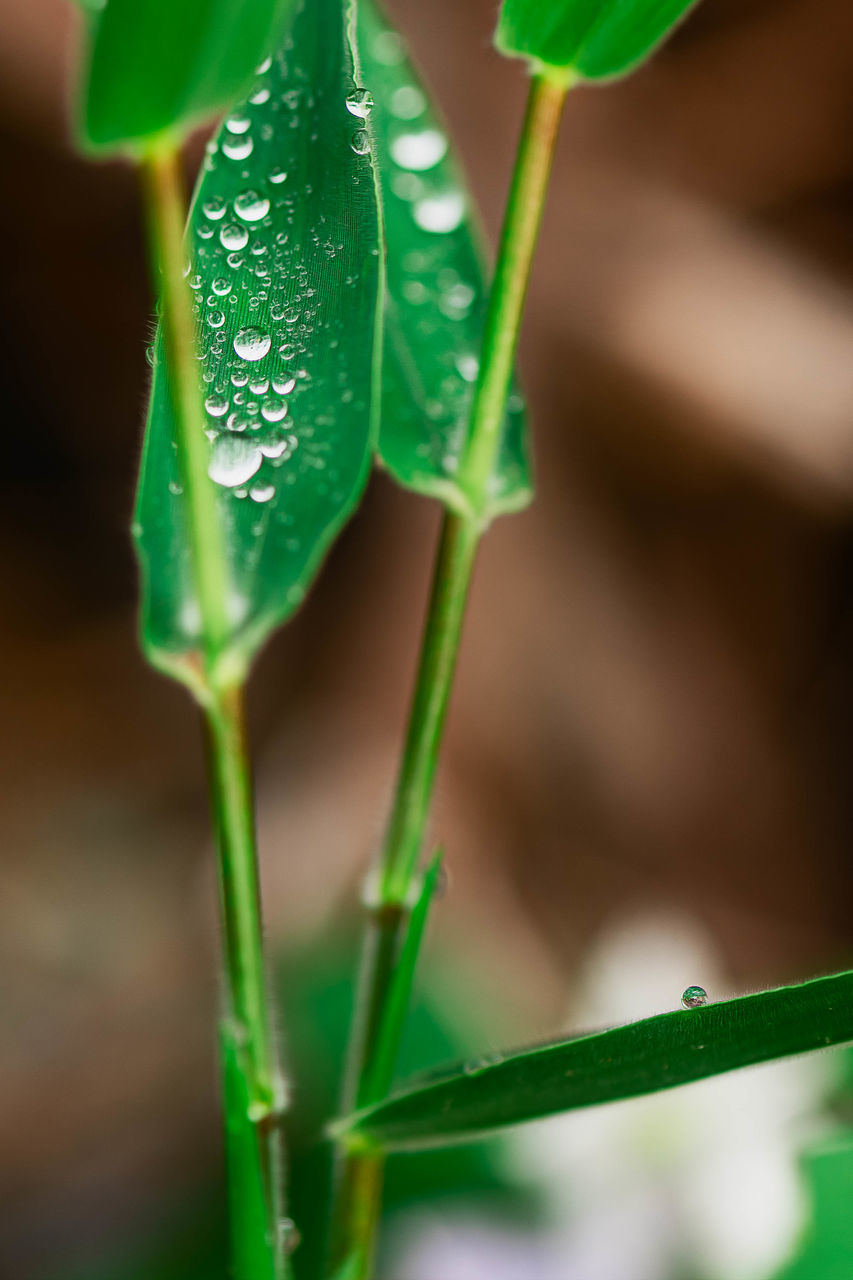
(654, 700)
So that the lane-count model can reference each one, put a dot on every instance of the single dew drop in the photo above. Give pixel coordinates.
(419, 151)
(440, 213)
(360, 103)
(263, 67)
(694, 997)
(284, 384)
(360, 142)
(237, 148)
(288, 1234)
(175, 489)
(252, 344)
(262, 492)
(233, 460)
(232, 236)
(278, 175)
(250, 206)
(216, 406)
(468, 366)
(273, 410)
(214, 208)
(258, 386)
(260, 96)
(407, 102)
(215, 319)
(237, 123)
(221, 286)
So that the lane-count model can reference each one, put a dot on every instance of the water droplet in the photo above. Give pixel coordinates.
(273, 410)
(360, 142)
(468, 366)
(264, 67)
(196, 281)
(239, 377)
(694, 997)
(419, 151)
(259, 385)
(456, 301)
(221, 286)
(237, 148)
(252, 344)
(278, 175)
(262, 492)
(360, 103)
(175, 489)
(283, 384)
(204, 232)
(260, 96)
(291, 315)
(216, 406)
(288, 1234)
(233, 460)
(216, 319)
(214, 208)
(440, 213)
(250, 206)
(237, 122)
(233, 236)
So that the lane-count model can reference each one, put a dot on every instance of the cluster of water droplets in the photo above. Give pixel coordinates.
(254, 273)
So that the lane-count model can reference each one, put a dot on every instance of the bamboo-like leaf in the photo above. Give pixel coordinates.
(642, 1057)
(590, 39)
(156, 65)
(284, 262)
(436, 292)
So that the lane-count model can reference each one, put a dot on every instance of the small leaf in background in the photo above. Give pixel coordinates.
(591, 39)
(284, 264)
(157, 65)
(436, 292)
(625, 1062)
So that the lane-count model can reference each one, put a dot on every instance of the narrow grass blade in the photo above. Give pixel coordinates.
(249, 1213)
(642, 1057)
(283, 259)
(436, 291)
(384, 1056)
(155, 65)
(589, 39)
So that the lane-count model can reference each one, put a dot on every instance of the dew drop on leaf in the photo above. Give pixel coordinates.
(233, 236)
(360, 103)
(250, 206)
(216, 406)
(238, 122)
(252, 344)
(233, 460)
(262, 492)
(238, 148)
(360, 142)
(214, 208)
(694, 997)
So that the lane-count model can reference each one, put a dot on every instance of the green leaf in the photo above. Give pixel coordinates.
(656, 1053)
(283, 240)
(436, 291)
(157, 65)
(589, 39)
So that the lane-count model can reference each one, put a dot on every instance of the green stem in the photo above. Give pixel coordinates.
(360, 1184)
(165, 207)
(252, 1088)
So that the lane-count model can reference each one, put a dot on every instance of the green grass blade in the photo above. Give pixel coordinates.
(157, 65)
(625, 1062)
(436, 291)
(251, 1248)
(378, 1079)
(283, 252)
(590, 39)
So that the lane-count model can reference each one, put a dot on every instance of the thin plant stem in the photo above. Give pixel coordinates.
(252, 1087)
(358, 1200)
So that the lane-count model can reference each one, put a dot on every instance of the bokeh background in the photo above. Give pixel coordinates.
(645, 782)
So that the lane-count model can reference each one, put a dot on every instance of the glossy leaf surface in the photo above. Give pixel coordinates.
(436, 292)
(593, 39)
(642, 1057)
(156, 65)
(284, 264)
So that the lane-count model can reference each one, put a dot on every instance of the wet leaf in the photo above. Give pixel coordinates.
(156, 65)
(436, 292)
(285, 267)
(625, 1062)
(592, 39)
